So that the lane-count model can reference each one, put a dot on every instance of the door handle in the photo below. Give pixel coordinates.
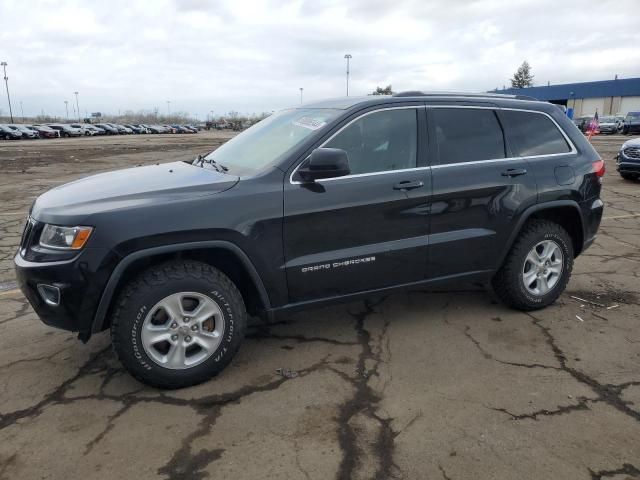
(408, 185)
(514, 172)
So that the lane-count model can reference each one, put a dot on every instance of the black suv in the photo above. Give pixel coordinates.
(328, 202)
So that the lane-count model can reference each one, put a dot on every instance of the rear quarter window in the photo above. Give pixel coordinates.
(530, 133)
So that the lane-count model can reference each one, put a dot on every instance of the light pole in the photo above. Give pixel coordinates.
(22, 110)
(301, 89)
(77, 106)
(348, 57)
(168, 107)
(66, 107)
(6, 82)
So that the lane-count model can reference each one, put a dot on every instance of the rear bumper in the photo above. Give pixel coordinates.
(592, 217)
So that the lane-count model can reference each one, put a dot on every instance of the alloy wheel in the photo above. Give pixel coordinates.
(542, 267)
(183, 330)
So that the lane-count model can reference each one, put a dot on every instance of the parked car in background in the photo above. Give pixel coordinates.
(135, 128)
(26, 132)
(122, 129)
(7, 133)
(108, 128)
(45, 131)
(95, 130)
(66, 130)
(156, 129)
(582, 123)
(83, 127)
(631, 123)
(608, 124)
(628, 159)
(181, 129)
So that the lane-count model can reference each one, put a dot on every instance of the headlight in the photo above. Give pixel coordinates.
(64, 238)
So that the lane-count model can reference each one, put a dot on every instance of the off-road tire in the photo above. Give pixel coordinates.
(145, 291)
(508, 283)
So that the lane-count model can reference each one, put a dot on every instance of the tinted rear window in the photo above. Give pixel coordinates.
(467, 135)
(531, 133)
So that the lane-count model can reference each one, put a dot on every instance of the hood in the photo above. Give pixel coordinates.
(631, 143)
(130, 188)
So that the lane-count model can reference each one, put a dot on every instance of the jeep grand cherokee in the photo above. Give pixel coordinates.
(328, 202)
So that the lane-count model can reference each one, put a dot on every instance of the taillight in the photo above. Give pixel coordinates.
(599, 168)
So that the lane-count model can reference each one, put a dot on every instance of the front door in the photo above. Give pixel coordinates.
(369, 229)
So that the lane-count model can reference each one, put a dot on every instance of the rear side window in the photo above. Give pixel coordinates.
(467, 135)
(532, 134)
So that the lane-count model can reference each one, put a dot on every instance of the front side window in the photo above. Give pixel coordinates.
(262, 144)
(467, 135)
(532, 133)
(385, 140)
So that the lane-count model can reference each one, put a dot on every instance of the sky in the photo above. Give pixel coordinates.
(254, 56)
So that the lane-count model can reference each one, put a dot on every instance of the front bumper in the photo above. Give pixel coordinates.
(80, 281)
(627, 165)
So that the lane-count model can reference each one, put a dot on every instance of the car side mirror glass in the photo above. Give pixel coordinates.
(325, 163)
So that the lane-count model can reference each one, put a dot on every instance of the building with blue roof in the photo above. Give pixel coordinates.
(607, 97)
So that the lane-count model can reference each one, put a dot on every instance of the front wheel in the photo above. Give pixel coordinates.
(537, 268)
(178, 324)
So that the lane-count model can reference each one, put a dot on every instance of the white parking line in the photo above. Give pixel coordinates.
(632, 215)
(9, 292)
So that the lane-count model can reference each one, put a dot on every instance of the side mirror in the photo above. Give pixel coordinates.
(325, 163)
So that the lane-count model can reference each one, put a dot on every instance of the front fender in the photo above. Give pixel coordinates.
(121, 267)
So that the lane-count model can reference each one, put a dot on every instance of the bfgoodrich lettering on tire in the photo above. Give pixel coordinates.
(178, 324)
(537, 268)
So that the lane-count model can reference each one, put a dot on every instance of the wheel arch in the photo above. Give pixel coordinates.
(565, 213)
(225, 256)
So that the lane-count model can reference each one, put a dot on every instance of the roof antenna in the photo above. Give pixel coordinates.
(616, 77)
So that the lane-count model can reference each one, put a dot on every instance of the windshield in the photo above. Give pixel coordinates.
(269, 139)
(633, 115)
(608, 120)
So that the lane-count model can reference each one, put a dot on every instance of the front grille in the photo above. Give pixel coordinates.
(632, 152)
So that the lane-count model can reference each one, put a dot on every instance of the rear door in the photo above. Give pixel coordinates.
(477, 190)
(366, 230)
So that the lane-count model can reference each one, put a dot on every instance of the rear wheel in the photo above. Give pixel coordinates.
(178, 324)
(537, 268)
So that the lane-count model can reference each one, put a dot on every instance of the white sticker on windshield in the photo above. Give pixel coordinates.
(310, 123)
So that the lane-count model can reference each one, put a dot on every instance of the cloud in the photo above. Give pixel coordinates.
(254, 56)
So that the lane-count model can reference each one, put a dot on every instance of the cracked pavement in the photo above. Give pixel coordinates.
(442, 385)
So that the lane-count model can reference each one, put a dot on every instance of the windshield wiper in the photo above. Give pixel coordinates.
(217, 166)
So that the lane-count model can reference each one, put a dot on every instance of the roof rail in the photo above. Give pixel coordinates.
(418, 93)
